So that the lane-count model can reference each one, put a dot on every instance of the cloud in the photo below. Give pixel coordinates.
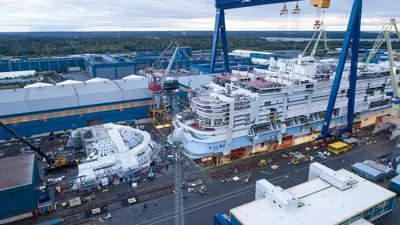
(99, 15)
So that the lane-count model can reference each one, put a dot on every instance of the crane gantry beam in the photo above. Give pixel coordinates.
(220, 27)
(235, 4)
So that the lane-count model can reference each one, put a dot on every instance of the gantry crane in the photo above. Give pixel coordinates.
(352, 36)
(220, 27)
(394, 118)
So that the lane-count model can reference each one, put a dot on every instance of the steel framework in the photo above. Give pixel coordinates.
(352, 36)
(179, 208)
(220, 27)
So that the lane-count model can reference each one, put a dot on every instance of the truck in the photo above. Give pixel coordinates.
(298, 158)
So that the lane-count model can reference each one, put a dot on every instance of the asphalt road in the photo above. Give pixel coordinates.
(224, 196)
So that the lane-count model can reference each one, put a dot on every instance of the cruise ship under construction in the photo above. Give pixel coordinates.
(244, 113)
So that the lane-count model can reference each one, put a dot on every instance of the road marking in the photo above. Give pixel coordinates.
(209, 202)
(242, 191)
(200, 207)
(264, 172)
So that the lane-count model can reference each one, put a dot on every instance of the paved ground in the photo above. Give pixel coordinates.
(79, 76)
(223, 196)
(163, 172)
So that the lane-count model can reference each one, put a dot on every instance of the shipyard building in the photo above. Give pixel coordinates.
(19, 188)
(328, 198)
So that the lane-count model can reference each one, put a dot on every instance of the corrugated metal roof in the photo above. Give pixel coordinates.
(16, 171)
(378, 166)
(96, 87)
(135, 77)
(37, 99)
(97, 79)
(12, 95)
(27, 100)
(98, 93)
(51, 92)
(128, 84)
(38, 84)
(69, 82)
(366, 169)
(134, 88)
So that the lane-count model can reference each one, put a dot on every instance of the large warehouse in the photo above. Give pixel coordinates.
(19, 188)
(75, 104)
(109, 66)
(44, 109)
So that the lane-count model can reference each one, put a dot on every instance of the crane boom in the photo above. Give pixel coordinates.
(156, 82)
(49, 160)
(393, 119)
(171, 62)
(381, 38)
(392, 66)
(321, 34)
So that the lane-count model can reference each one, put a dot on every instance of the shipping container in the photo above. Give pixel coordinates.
(394, 185)
(367, 172)
(388, 172)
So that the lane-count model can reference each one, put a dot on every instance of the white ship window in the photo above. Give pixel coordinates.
(207, 121)
(218, 122)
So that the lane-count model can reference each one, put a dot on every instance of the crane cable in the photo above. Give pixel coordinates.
(296, 13)
(284, 12)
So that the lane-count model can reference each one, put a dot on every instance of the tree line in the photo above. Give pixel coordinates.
(45, 46)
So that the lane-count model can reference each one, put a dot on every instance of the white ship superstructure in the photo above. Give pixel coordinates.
(275, 108)
(114, 152)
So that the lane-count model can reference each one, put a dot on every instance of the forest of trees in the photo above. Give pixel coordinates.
(68, 43)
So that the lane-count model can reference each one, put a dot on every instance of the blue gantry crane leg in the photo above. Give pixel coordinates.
(352, 34)
(220, 26)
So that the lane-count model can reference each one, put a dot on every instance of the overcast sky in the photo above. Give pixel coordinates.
(127, 15)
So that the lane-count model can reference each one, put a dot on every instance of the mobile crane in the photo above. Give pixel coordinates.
(54, 165)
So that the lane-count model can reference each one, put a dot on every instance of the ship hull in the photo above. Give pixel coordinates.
(214, 144)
